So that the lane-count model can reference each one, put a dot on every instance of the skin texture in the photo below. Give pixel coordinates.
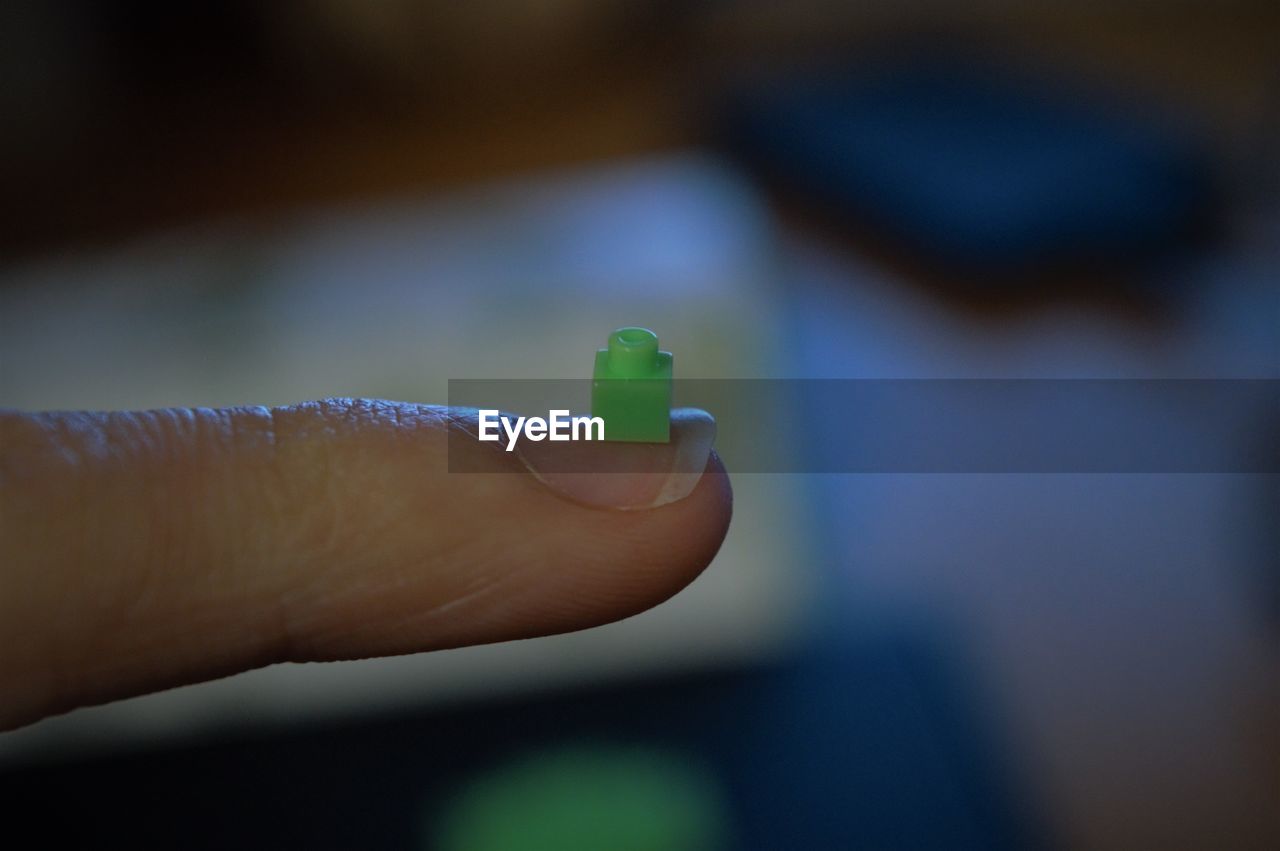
(139, 551)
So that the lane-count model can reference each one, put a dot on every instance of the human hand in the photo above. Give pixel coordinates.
(145, 550)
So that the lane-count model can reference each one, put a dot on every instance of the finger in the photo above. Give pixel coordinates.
(146, 550)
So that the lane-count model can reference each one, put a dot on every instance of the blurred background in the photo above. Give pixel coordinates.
(238, 202)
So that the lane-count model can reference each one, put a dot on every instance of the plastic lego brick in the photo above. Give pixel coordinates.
(631, 388)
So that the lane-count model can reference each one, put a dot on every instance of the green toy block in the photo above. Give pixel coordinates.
(631, 388)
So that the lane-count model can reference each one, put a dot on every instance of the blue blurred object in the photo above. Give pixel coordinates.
(984, 170)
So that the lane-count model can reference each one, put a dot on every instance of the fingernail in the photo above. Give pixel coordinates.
(626, 476)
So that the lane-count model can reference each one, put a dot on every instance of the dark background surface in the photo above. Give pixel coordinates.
(873, 746)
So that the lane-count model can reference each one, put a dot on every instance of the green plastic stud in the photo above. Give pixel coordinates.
(631, 388)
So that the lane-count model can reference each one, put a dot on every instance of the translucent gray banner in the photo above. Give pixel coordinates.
(918, 425)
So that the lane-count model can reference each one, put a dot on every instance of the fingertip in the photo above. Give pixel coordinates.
(634, 560)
